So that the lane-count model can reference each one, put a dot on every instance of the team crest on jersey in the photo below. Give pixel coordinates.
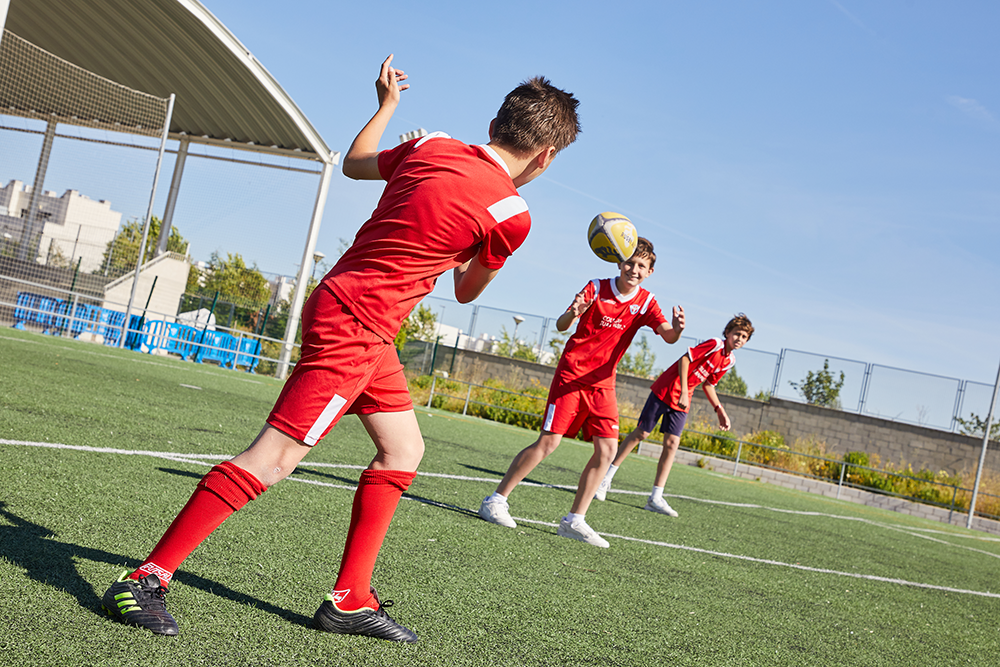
(634, 308)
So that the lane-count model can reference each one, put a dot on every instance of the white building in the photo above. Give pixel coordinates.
(74, 227)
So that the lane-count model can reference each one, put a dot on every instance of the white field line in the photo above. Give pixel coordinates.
(205, 460)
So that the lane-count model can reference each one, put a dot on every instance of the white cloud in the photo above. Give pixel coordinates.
(970, 107)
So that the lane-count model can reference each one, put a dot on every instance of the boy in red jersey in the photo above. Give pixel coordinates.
(446, 206)
(670, 398)
(582, 394)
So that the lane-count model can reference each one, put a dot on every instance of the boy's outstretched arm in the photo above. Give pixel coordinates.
(672, 332)
(361, 161)
(576, 309)
(471, 279)
(720, 411)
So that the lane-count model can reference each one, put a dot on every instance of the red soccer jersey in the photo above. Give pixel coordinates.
(604, 333)
(444, 203)
(709, 362)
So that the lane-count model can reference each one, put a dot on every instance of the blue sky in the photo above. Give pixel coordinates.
(829, 168)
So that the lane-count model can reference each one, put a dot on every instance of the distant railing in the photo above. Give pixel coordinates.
(876, 390)
(843, 472)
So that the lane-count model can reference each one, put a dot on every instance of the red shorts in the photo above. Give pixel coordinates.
(571, 406)
(345, 368)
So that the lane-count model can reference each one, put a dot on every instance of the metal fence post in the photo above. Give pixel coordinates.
(431, 397)
(840, 484)
(864, 388)
(467, 395)
(777, 373)
(957, 411)
(739, 450)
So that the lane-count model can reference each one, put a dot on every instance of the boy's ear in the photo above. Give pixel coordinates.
(492, 123)
(546, 156)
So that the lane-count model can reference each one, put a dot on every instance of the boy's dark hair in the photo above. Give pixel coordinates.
(741, 322)
(535, 115)
(644, 248)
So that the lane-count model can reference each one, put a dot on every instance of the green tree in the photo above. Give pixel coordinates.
(420, 325)
(640, 362)
(235, 282)
(976, 426)
(820, 387)
(122, 252)
(516, 349)
(732, 384)
(556, 345)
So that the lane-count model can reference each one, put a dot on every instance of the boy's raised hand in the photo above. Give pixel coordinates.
(361, 161)
(388, 84)
(580, 304)
(677, 322)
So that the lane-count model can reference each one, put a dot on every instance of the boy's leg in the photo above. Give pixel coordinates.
(593, 473)
(399, 450)
(527, 460)
(656, 503)
(494, 507)
(225, 489)
(631, 440)
(353, 607)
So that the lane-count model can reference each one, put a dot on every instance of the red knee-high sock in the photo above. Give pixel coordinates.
(225, 489)
(375, 502)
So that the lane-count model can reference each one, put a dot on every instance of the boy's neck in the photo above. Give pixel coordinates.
(522, 169)
(622, 292)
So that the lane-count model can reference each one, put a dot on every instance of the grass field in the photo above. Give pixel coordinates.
(100, 448)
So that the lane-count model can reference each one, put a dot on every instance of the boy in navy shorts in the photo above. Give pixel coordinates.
(582, 394)
(446, 206)
(670, 399)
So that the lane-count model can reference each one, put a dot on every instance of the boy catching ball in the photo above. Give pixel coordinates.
(582, 394)
(670, 399)
(446, 206)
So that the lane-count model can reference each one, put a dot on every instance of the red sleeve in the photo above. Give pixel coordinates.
(655, 316)
(390, 159)
(501, 241)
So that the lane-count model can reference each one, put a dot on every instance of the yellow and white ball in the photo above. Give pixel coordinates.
(612, 237)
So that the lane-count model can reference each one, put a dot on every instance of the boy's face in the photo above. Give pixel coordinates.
(633, 272)
(736, 339)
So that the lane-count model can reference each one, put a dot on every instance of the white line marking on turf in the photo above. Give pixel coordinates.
(199, 459)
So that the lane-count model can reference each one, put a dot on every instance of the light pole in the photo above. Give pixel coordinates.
(317, 257)
(513, 343)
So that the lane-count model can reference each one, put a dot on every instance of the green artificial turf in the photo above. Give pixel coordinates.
(750, 574)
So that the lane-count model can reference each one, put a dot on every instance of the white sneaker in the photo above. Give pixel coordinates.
(602, 490)
(497, 511)
(582, 532)
(660, 506)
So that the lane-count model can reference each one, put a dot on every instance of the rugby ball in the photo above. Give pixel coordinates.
(612, 237)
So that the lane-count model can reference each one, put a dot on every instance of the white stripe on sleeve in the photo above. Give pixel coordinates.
(507, 208)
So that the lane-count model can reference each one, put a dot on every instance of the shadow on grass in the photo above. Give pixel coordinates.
(528, 480)
(50, 562)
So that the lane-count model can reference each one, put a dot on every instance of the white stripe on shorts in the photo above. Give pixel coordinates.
(326, 418)
(550, 414)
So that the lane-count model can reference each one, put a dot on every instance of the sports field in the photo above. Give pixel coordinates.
(99, 449)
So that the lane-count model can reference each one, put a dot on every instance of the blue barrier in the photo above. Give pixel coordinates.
(173, 337)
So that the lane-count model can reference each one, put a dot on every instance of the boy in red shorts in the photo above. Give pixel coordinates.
(582, 394)
(670, 398)
(446, 205)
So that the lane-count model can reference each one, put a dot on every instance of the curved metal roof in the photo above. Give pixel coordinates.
(223, 94)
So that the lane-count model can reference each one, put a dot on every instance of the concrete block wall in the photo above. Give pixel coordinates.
(842, 432)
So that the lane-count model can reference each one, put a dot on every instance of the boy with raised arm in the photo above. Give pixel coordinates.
(670, 398)
(446, 205)
(582, 394)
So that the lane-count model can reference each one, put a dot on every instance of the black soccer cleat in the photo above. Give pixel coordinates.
(140, 603)
(366, 622)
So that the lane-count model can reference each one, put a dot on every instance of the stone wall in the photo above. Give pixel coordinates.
(894, 442)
